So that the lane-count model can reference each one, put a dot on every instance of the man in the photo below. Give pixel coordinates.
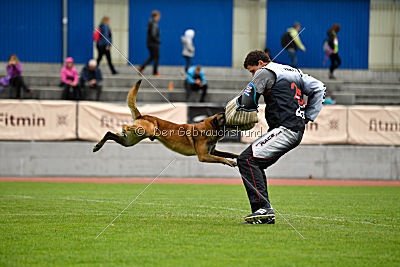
(291, 46)
(153, 42)
(286, 113)
(91, 77)
(195, 80)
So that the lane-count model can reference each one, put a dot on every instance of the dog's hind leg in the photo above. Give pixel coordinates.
(125, 139)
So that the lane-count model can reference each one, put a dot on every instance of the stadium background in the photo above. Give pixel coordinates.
(225, 29)
(225, 32)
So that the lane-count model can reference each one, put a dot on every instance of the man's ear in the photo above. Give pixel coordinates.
(260, 63)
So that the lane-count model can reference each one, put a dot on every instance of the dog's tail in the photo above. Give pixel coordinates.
(131, 100)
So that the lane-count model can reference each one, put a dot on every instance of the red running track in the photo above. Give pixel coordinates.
(232, 181)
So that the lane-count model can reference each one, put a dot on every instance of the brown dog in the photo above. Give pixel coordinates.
(187, 139)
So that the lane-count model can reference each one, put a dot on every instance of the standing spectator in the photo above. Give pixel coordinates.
(333, 43)
(91, 78)
(153, 42)
(195, 81)
(14, 77)
(104, 44)
(188, 47)
(291, 46)
(69, 80)
(268, 52)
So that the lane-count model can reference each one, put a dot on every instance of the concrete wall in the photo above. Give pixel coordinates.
(249, 28)
(384, 36)
(118, 11)
(149, 159)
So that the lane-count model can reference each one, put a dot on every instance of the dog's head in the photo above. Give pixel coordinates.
(218, 121)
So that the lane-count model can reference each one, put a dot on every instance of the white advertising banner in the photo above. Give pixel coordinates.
(95, 119)
(37, 120)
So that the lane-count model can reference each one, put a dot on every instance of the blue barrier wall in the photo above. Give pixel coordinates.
(31, 29)
(212, 21)
(80, 30)
(317, 16)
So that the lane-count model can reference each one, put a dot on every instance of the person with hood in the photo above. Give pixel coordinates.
(14, 77)
(104, 43)
(188, 47)
(69, 80)
(333, 44)
(291, 41)
(91, 78)
(153, 42)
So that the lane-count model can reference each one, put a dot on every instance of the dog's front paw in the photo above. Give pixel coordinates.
(96, 148)
(231, 163)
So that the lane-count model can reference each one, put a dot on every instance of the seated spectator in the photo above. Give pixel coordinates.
(195, 81)
(91, 78)
(329, 99)
(69, 80)
(14, 78)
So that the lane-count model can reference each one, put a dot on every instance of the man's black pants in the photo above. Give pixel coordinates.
(102, 50)
(154, 55)
(190, 87)
(264, 152)
(335, 61)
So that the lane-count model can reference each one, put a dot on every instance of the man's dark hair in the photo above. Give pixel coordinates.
(254, 56)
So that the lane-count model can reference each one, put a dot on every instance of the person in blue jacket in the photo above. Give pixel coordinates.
(91, 78)
(196, 81)
(104, 43)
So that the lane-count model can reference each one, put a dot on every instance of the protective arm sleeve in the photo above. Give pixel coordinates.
(315, 90)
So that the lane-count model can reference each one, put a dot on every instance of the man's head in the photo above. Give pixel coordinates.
(197, 70)
(92, 64)
(255, 60)
(156, 15)
(297, 26)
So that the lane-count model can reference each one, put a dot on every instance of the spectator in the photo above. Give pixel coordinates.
(153, 42)
(268, 52)
(195, 81)
(329, 99)
(69, 80)
(188, 47)
(291, 41)
(104, 44)
(91, 78)
(14, 77)
(333, 43)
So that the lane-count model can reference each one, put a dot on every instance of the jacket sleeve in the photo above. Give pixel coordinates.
(297, 40)
(99, 77)
(76, 75)
(84, 75)
(203, 79)
(19, 69)
(315, 90)
(189, 76)
(64, 76)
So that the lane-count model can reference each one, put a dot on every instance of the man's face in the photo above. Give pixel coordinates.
(92, 67)
(253, 69)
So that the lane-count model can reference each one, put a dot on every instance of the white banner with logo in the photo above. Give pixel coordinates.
(37, 120)
(330, 127)
(372, 125)
(95, 119)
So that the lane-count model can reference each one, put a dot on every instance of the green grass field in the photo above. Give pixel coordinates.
(196, 225)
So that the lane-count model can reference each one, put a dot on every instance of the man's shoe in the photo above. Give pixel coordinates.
(261, 214)
(157, 75)
(262, 221)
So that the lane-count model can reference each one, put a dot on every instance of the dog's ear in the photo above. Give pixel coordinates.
(214, 122)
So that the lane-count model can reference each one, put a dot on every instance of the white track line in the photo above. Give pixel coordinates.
(336, 219)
